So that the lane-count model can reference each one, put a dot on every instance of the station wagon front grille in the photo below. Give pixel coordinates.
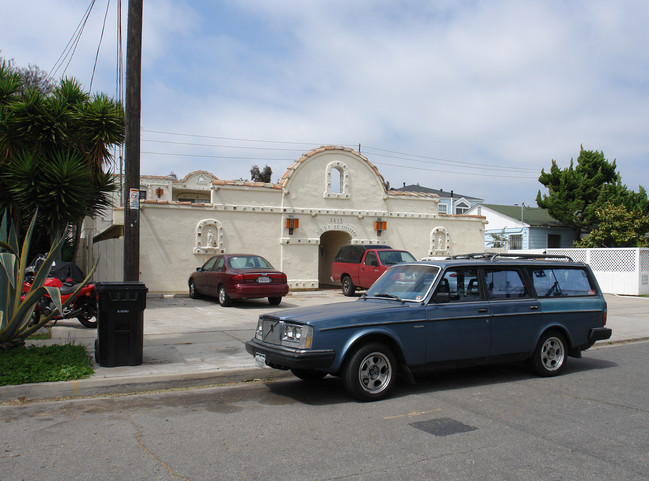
(271, 331)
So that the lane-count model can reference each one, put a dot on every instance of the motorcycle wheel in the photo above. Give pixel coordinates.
(36, 317)
(88, 312)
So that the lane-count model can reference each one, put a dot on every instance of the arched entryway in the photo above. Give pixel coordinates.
(330, 242)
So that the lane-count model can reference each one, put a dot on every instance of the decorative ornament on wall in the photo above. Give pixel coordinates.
(440, 242)
(209, 237)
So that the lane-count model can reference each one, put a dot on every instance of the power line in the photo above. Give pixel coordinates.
(445, 171)
(437, 160)
(234, 138)
(265, 159)
(101, 38)
(220, 146)
(71, 47)
(421, 159)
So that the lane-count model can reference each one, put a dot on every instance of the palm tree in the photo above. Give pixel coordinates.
(55, 151)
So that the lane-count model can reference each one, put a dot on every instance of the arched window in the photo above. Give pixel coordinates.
(337, 181)
(336, 177)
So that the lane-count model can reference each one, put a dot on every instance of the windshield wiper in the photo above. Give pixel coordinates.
(389, 296)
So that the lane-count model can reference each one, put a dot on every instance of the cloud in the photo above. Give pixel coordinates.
(498, 85)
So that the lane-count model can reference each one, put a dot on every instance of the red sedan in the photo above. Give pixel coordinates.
(238, 276)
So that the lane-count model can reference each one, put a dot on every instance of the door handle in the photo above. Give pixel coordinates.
(482, 309)
(534, 308)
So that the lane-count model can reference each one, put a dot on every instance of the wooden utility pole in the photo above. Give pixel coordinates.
(132, 142)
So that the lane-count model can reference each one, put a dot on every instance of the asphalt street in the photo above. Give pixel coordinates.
(487, 423)
(190, 342)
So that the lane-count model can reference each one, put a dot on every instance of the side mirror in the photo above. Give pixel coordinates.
(199, 269)
(441, 297)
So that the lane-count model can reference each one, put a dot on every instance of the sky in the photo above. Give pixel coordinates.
(471, 96)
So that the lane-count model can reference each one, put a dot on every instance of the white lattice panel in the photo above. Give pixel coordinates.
(577, 255)
(618, 270)
(613, 260)
(644, 260)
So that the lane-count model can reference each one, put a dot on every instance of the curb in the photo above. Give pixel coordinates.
(24, 393)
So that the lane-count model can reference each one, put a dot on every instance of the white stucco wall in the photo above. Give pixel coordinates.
(246, 217)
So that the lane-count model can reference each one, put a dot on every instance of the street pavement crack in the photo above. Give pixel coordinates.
(138, 437)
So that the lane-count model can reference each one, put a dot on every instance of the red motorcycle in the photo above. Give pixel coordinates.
(66, 277)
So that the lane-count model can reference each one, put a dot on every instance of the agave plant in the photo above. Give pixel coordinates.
(17, 307)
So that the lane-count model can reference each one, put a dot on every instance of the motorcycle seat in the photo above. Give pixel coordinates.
(67, 289)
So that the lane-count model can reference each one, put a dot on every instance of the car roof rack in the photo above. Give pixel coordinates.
(508, 255)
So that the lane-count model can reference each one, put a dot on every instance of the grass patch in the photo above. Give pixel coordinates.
(41, 334)
(22, 365)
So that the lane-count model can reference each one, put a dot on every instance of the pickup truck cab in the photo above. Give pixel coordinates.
(359, 266)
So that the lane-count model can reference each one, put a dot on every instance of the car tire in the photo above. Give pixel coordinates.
(551, 354)
(193, 293)
(308, 375)
(348, 286)
(370, 372)
(274, 301)
(224, 299)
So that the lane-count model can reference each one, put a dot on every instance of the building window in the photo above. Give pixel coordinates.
(143, 195)
(554, 241)
(336, 176)
(442, 208)
(337, 181)
(516, 242)
(461, 207)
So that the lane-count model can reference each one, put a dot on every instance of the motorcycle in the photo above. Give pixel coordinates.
(66, 277)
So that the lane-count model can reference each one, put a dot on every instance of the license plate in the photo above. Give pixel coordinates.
(260, 360)
(263, 279)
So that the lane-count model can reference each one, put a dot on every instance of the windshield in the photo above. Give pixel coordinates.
(249, 262)
(389, 258)
(405, 282)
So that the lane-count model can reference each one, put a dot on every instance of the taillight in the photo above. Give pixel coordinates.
(239, 278)
(605, 314)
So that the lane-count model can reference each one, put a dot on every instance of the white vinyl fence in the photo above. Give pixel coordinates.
(621, 270)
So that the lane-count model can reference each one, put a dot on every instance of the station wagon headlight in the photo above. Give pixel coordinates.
(297, 335)
(259, 333)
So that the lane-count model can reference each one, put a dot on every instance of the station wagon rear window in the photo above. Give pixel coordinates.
(562, 282)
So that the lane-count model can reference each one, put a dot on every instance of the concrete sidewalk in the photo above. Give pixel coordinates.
(190, 342)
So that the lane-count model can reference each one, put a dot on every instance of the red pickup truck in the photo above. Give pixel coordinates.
(358, 266)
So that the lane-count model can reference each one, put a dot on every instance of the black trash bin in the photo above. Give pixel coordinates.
(120, 323)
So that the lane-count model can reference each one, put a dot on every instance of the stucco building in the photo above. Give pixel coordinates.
(329, 197)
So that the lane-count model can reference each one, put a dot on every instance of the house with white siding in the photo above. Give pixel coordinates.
(516, 227)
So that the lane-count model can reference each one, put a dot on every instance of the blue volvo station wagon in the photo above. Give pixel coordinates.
(471, 309)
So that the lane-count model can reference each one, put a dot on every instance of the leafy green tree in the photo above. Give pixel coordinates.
(257, 175)
(55, 149)
(575, 193)
(64, 182)
(618, 227)
(498, 240)
(31, 77)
